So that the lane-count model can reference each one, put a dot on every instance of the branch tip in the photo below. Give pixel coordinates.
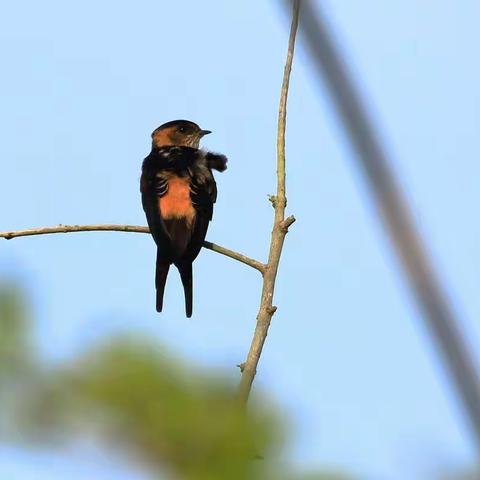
(284, 226)
(271, 310)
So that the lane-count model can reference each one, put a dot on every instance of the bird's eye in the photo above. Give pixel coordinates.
(182, 129)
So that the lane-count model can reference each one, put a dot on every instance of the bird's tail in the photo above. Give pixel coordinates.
(185, 270)
(160, 279)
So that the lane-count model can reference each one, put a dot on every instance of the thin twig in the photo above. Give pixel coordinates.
(73, 228)
(261, 267)
(280, 229)
(127, 228)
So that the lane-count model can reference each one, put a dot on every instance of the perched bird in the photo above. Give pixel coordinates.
(178, 193)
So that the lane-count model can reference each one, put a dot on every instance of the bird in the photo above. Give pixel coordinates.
(178, 191)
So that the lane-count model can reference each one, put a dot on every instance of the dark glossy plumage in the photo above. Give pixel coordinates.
(178, 220)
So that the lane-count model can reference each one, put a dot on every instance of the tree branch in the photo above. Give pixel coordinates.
(127, 228)
(261, 267)
(280, 229)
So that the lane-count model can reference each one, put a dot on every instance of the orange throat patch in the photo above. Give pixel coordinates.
(176, 203)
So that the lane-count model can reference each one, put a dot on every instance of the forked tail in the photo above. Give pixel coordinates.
(185, 270)
(160, 279)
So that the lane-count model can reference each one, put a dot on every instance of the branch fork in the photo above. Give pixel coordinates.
(281, 225)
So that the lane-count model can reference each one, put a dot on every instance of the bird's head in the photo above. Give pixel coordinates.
(178, 132)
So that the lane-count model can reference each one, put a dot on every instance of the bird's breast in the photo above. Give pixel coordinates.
(176, 202)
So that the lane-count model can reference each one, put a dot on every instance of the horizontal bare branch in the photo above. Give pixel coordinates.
(126, 228)
(73, 228)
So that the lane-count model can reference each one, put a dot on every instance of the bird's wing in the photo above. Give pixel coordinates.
(154, 184)
(203, 192)
(156, 169)
(203, 185)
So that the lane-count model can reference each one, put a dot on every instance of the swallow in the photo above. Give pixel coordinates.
(178, 193)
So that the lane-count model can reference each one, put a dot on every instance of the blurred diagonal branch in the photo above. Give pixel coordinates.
(423, 281)
(280, 229)
(126, 228)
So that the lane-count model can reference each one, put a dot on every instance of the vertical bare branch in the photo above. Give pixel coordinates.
(280, 228)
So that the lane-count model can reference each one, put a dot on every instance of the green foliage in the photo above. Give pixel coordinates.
(472, 474)
(143, 401)
(15, 341)
(179, 421)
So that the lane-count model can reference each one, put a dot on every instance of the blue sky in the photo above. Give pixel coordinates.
(82, 87)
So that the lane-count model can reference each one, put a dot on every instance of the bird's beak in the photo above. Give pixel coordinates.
(204, 132)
